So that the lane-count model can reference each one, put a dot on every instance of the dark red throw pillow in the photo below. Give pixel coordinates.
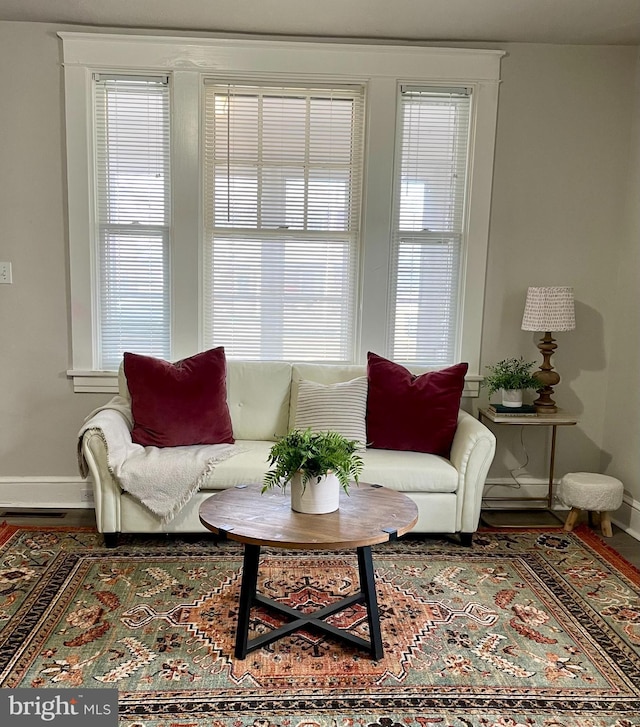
(409, 412)
(180, 403)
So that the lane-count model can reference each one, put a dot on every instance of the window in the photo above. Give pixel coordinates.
(133, 222)
(287, 200)
(428, 237)
(283, 170)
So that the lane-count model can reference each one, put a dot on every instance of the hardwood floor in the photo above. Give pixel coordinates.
(628, 547)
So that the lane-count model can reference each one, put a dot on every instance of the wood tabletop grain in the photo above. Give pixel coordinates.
(368, 515)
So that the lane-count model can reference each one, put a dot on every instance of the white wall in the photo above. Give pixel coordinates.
(559, 197)
(561, 180)
(39, 414)
(621, 440)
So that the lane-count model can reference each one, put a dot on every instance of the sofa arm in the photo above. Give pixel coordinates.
(472, 452)
(106, 490)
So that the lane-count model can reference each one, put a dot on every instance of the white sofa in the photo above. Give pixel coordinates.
(262, 399)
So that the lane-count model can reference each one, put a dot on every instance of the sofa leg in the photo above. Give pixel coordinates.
(110, 540)
(466, 539)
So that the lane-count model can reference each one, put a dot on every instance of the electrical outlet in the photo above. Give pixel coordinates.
(86, 495)
(5, 273)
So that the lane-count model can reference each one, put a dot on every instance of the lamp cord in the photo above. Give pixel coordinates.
(522, 466)
(516, 482)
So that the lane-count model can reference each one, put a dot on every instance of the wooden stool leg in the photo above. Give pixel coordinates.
(605, 524)
(571, 520)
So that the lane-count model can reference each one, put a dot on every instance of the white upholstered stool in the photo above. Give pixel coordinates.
(592, 492)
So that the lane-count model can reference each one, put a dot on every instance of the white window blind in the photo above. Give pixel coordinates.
(133, 217)
(283, 177)
(428, 236)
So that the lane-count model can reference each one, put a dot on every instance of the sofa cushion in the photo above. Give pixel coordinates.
(182, 403)
(258, 396)
(248, 466)
(409, 471)
(404, 471)
(339, 407)
(412, 413)
(123, 389)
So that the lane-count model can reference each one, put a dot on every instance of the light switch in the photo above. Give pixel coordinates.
(5, 273)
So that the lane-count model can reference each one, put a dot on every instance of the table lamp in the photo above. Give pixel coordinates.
(548, 309)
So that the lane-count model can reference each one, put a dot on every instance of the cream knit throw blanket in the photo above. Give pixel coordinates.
(163, 479)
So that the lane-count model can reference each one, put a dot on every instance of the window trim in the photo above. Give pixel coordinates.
(399, 234)
(189, 60)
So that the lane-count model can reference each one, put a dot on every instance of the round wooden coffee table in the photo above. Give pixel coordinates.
(369, 515)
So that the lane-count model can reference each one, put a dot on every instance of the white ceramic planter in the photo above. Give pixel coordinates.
(511, 397)
(315, 498)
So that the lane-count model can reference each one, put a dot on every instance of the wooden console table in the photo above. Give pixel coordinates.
(559, 419)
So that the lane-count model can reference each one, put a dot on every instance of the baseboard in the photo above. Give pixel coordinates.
(627, 518)
(62, 493)
(506, 487)
(59, 493)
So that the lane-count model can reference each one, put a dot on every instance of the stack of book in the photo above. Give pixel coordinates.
(526, 410)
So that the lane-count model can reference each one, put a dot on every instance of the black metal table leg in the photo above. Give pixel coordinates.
(247, 597)
(250, 597)
(368, 589)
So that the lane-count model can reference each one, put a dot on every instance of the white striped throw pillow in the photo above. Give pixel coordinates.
(340, 407)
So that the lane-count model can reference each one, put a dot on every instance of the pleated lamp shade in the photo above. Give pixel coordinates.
(549, 309)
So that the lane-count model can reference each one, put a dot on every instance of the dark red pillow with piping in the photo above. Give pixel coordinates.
(409, 412)
(182, 403)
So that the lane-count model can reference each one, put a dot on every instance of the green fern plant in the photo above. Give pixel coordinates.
(511, 373)
(314, 454)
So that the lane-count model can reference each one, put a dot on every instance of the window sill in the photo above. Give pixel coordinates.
(94, 382)
(106, 382)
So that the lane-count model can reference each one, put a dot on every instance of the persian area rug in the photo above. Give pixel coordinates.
(526, 629)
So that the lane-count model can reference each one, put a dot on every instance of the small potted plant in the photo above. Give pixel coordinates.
(316, 464)
(511, 376)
